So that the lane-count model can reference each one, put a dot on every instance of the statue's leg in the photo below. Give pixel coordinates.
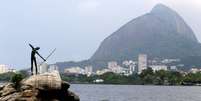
(34, 59)
(31, 66)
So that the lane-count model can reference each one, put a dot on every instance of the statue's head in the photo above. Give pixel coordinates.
(37, 48)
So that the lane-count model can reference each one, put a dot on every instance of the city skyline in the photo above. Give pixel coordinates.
(69, 26)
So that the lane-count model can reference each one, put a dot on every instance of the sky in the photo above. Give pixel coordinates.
(74, 27)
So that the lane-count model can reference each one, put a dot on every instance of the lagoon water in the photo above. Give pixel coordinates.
(136, 93)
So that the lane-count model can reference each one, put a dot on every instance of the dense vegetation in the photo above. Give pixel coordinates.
(147, 77)
(6, 76)
(10, 76)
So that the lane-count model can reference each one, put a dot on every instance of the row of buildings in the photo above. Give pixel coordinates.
(127, 67)
(88, 70)
(42, 68)
(5, 68)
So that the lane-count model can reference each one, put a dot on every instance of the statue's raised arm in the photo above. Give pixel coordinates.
(31, 46)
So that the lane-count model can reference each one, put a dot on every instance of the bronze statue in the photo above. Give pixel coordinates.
(33, 58)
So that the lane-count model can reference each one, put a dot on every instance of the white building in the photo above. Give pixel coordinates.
(6, 68)
(101, 72)
(130, 65)
(195, 70)
(173, 68)
(142, 62)
(12, 70)
(166, 61)
(158, 67)
(98, 81)
(3, 68)
(114, 67)
(53, 68)
(74, 70)
(88, 70)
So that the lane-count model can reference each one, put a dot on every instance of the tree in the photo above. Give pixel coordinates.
(147, 76)
(175, 78)
(161, 77)
(16, 80)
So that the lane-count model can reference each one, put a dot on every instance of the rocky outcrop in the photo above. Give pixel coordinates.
(44, 81)
(43, 87)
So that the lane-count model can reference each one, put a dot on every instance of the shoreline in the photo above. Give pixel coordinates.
(134, 84)
(4, 82)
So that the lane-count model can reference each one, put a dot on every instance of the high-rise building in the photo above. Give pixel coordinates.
(142, 62)
(88, 70)
(3, 69)
(132, 67)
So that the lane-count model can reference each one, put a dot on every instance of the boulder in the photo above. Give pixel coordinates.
(45, 81)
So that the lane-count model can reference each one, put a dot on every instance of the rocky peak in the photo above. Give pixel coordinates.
(173, 20)
(161, 8)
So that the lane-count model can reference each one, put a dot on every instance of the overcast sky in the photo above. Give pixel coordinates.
(75, 27)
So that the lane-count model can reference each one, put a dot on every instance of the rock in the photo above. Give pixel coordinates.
(43, 87)
(65, 85)
(8, 89)
(27, 99)
(28, 93)
(25, 87)
(1, 87)
(10, 97)
(45, 81)
(74, 96)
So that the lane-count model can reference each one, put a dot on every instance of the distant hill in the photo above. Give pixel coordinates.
(160, 33)
(96, 64)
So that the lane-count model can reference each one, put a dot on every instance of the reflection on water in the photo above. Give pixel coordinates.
(136, 93)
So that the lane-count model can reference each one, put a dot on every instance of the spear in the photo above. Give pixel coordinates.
(48, 56)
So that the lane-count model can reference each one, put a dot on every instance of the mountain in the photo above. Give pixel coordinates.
(161, 33)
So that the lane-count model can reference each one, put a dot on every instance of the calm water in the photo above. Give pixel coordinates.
(136, 93)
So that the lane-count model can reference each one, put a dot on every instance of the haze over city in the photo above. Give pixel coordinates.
(75, 27)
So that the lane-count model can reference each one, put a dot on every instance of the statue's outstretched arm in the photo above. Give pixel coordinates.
(40, 56)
